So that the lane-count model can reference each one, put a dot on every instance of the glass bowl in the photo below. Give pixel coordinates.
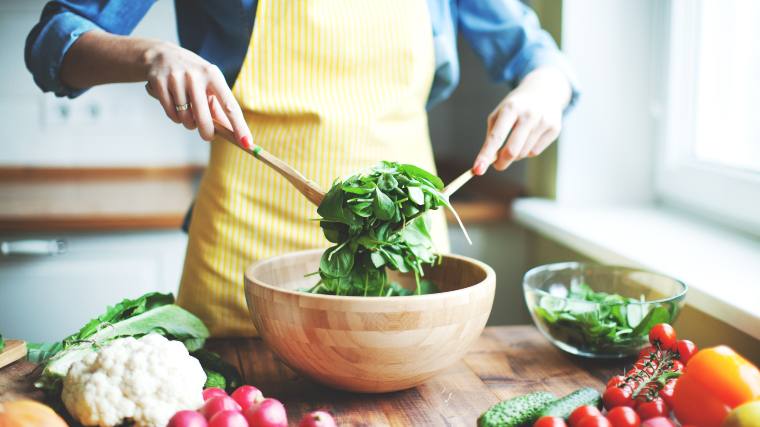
(600, 311)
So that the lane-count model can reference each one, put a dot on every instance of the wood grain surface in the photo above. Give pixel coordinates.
(506, 361)
(13, 351)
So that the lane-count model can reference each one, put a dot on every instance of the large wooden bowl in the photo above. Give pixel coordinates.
(368, 344)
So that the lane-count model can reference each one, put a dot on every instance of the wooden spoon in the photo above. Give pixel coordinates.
(457, 183)
(304, 185)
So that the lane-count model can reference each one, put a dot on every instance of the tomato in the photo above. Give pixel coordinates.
(549, 421)
(646, 351)
(685, 349)
(595, 421)
(658, 422)
(677, 366)
(580, 413)
(616, 396)
(653, 408)
(623, 416)
(667, 392)
(664, 335)
(615, 381)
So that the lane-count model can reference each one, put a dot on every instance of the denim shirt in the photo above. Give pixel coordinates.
(505, 34)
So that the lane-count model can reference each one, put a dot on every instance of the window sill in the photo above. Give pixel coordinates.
(720, 266)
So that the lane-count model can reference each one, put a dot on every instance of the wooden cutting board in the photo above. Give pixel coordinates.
(13, 351)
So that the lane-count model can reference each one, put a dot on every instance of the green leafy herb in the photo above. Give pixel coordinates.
(2, 342)
(376, 221)
(218, 372)
(598, 322)
(152, 312)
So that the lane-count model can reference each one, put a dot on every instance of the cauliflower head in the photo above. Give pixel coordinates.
(143, 380)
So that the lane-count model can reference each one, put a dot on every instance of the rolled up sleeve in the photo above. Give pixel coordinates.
(508, 38)
(62, 23)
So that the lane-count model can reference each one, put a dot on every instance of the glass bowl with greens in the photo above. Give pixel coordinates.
(600, 311)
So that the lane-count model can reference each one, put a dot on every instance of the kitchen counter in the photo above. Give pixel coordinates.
(505, 362)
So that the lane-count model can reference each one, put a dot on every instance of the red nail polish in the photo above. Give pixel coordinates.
(245, 141)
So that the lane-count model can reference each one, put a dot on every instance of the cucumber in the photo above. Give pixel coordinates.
(564, 406)
(516, 411)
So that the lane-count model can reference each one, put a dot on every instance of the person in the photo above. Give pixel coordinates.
(329, 86)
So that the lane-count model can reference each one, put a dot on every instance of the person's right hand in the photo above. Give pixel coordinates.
(177, 76)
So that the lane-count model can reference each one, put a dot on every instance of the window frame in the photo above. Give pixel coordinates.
(724, 194)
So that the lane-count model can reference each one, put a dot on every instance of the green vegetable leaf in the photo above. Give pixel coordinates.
(383, 206)
(422, 174)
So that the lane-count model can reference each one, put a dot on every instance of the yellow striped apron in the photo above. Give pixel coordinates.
(331, 87)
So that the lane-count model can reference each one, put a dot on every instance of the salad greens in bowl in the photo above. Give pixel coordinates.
(600, 311)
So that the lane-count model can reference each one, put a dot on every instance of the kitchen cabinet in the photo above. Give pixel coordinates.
(45, 297)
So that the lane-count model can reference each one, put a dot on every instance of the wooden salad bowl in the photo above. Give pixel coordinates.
(368, 344)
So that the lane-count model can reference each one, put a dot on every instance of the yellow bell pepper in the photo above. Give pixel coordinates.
(715, 381)
(747, 415)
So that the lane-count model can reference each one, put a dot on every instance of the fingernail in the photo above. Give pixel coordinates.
(245, 141)
(480, 167)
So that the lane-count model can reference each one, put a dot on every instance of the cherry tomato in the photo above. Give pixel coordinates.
(549, 421)
(646, 351)
(652, 409)
(685, 349)
(623, 416)
(615, 381)
(664, 334)
(582, 412)
(617, 396)
(667, 392)
(595, 421)
(677, 366)
(658, 422)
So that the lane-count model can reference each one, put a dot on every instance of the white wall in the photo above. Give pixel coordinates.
(115, 125)
(611, 132)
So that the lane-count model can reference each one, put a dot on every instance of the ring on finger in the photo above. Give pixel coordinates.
(182, 107)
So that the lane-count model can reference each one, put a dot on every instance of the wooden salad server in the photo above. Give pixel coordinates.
(457, 183)
(304, 185)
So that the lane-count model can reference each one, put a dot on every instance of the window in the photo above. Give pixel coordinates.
(711, 99)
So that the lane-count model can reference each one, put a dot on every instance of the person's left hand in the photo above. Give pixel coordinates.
(531, 115)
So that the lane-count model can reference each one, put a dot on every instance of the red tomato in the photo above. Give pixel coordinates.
(595, 421)
(677, 366)
(246, 396)
(667, 392)
(549, 421)
(658, 422)
(645, 352)
(615, 381)
(652, 409)
(616, 396)
(582, 412)
(211, 392)
(663, 334)
(685, 349)
(623, 416)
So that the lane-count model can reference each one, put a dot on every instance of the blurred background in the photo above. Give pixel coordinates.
(657, 167)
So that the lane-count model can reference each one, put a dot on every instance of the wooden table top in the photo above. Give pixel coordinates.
(505, 362)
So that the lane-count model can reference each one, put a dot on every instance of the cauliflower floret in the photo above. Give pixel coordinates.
(144, 380)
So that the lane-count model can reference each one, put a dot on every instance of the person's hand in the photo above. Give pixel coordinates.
(193, 91)
(531, 115)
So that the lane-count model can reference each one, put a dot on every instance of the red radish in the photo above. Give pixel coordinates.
(228, 419)
(246, 396)
(218, 404)
(211, 392)
(267, 413)
(317, 419)
(187, 419)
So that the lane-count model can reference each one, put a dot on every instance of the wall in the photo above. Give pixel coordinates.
(111, 125)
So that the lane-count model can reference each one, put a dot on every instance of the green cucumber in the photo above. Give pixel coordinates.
(516, 411)
(564, 406)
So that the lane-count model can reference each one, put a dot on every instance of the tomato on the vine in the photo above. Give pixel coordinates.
(677, 366)
(615, 381)
(652, 409)
(646, 351)
(595, 421)
(685, 350)
(623, 416)
(617, 396)
(658, 422)
(580, 413)
(664, 334)
(666, 393)
(549, 421)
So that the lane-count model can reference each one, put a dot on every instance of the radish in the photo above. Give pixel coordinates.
(187, 419)
(317, 419)
(228, 419)
(246, 396)
(219, 404)
(267, 413)
(211, 392)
